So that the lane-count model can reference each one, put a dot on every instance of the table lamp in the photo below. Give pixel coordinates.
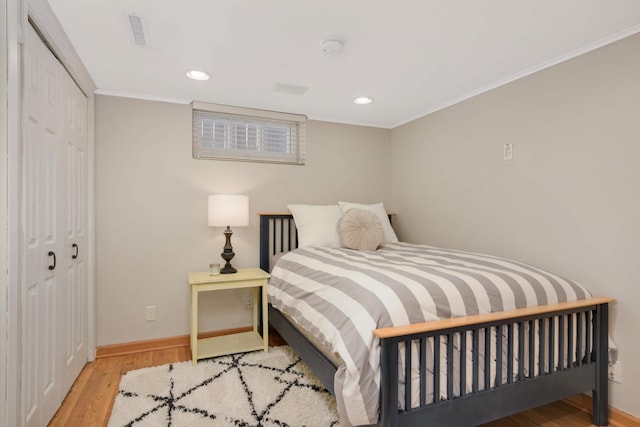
(226, 210)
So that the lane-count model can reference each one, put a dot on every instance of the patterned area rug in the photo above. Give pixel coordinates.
(252, 389)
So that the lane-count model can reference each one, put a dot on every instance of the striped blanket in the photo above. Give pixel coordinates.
(342, 295)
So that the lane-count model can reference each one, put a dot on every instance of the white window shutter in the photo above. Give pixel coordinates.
(225, 132)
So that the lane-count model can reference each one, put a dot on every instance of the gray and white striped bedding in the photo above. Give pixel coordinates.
(341, 296)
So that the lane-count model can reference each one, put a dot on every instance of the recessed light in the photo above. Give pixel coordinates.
(363, 100)
(197, 75)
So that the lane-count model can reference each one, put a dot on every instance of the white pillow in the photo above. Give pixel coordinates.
(378, 209)
(317, 225)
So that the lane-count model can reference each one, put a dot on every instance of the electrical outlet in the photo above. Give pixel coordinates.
(150, 313)
(248, 302)
(615, 372)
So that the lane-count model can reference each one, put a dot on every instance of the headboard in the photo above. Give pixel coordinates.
(278, 234)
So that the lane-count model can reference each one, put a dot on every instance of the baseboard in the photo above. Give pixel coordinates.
(617, 418)
(160, 344)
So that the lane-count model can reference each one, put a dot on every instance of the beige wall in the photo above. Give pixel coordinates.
(151, 210)
(568, 201)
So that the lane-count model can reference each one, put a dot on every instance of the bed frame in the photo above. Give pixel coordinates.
(533, 334)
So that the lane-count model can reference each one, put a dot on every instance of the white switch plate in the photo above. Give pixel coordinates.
(150, 314)
(507, 152)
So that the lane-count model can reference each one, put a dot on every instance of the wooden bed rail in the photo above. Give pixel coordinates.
(457, 322)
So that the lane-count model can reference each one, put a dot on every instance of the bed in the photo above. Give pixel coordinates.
(461, 370)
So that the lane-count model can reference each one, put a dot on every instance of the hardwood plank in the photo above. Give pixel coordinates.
(558, 414)
(70, 402)
(97, 399)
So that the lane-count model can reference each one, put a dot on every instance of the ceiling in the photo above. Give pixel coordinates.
(412, 56)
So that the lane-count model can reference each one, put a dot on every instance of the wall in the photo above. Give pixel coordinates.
(568, 201)
(151, 210)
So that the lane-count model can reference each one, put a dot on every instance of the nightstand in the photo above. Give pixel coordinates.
(254, 278)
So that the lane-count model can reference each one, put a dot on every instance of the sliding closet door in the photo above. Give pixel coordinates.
(53, 297)
(42, 212)
(75, 233)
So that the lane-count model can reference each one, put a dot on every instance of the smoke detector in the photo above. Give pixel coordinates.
(331, 46)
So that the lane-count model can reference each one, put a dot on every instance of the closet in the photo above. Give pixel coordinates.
(54, 202)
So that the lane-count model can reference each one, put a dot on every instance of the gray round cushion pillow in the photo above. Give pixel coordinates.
(360, 229)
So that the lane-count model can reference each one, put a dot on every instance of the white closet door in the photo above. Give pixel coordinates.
(53, 284)
(75, 246)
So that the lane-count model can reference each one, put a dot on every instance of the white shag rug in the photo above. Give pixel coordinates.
(251, 389)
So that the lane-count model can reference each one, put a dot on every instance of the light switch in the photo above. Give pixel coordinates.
(507, 152)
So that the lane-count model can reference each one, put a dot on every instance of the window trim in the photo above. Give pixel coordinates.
(261, 118)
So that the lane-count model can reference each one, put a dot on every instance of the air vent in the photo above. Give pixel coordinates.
(288, 88)
(137, 30)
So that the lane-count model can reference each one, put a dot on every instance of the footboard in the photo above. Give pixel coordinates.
(494, 365)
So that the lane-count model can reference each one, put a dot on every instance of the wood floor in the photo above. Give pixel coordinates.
(91, 397)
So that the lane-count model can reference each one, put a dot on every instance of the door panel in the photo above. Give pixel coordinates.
(41, 378)
(75, 245)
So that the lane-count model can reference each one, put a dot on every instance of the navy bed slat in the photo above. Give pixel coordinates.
(520, 351)
(561, 342)
(579, 349)
(487, 358)
(542, 346)
(499, 335)
(475, 360)
(449, 365)
(570, 353)
(436, 369)
(552, 347)
(423, 372)
(532, 348)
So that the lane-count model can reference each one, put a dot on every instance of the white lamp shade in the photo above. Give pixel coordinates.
(228, 210)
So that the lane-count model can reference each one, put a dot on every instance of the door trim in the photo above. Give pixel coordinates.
(14, 112)
(4, 198)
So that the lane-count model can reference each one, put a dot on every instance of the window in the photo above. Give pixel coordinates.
(224, 132)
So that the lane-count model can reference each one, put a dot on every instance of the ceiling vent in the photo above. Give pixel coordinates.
(289, 88)
(137, 30)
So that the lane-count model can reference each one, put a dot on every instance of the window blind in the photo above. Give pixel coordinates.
(225, 132)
